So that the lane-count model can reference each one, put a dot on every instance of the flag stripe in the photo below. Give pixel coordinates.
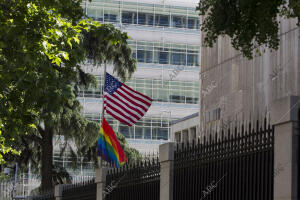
(108, 146)
(128, 108)
(137, 108)
(122, 112)
(116, 145)
(137, 94)
(118, 117)
(135, 103)
(112, 110)
(141, 102)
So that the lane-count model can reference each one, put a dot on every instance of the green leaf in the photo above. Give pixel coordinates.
(66, 55)
(32, 126)
(56, 60)
(69, 42)
(76, 39)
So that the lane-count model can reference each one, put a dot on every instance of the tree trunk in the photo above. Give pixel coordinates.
(47, 157)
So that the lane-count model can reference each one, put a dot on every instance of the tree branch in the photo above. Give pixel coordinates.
(41, 131)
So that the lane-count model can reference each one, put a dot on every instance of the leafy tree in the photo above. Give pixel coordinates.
(88, 153)
(4, 147)
(42, 47)
(133, 156)
(249, 23)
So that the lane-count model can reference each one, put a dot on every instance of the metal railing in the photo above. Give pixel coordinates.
(134, 182)
(85, 190)
(237, 166)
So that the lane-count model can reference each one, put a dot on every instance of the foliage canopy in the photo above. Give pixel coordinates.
(42, 47)
(249, 23)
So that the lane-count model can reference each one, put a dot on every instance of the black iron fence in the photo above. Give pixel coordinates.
(80, 191)
(135, 182)
(236, 165)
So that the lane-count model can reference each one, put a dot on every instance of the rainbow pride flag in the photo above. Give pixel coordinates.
(109, 147)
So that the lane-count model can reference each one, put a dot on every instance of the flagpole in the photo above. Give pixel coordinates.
(102, 114)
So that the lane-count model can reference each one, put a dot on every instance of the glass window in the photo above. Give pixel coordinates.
(111, 15)
(163, 57)
(160, 133)
(139, 133)
(179, 21)
(95, 13)
(150, 19)
(142, 18)
(192, 60)
(129, 17)
(154, 133)
(162, 20)
(147, 133)
(165, 53)
(148, 92)
(161, 91)
(175, 58)
(156, 122)
(198, 24)
(140, 55)
(192, 23)
(126, 131)
(149, 56)
(177, 99)
(110, 18)
(91, 12)
(190, 100)
(178, 59)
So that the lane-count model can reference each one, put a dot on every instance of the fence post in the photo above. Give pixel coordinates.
(100, 181)
(285, 118)
(58, 192)
(166, 159)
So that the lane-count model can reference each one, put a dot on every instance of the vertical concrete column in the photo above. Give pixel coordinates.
(101, 180)
(285, 118)
(181, 136)
(166, 159)
(189, 132)
(58, 192)
(197, 131)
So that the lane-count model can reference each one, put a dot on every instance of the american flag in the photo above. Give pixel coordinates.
(123, 103)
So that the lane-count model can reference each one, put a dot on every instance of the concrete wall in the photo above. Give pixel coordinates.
(240, 87)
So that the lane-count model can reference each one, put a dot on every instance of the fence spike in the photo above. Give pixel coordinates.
(222, 135)
(216, 137)
(265, 124)
(249, 130)
(193, 143)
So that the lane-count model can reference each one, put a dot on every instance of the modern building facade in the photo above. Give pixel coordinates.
(233, 88)
(165, 40)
